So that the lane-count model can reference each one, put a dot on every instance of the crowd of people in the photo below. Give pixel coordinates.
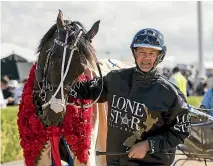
(188, 80)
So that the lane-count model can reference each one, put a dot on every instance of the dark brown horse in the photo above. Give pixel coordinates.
(64, 51)
(49, 66)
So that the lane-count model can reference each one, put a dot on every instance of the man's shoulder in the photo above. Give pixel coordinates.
(168, 85)
(121, 74)
(122, 71)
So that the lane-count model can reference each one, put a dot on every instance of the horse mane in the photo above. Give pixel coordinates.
(46, 37)
(85, 46)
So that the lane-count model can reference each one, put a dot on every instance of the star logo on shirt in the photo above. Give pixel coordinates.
(125, 120)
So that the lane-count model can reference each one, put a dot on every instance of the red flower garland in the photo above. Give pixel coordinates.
(76, 128)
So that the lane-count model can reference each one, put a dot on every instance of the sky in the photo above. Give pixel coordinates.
(24, 23)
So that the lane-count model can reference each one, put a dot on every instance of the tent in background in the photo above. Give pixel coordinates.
(10, 48)
(15, 67)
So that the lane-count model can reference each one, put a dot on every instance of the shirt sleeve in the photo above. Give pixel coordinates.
(176, 128)
(92, 89)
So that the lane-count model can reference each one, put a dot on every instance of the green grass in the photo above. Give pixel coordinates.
(11, 150)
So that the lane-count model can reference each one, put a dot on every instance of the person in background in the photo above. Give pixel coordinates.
(210, 79)
(7, 94)
(18, 92)
(201, 88)
(179, 80)
(3, 102)
(207, 101)
(13, 84)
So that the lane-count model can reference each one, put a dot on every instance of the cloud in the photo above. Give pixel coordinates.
(8, 49)
(24, 24)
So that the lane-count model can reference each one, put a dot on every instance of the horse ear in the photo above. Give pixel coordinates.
(60, 20)
(93, 31)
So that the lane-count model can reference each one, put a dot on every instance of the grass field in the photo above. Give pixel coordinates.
(10, 149)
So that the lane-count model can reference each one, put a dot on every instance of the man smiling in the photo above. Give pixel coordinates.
(148, 116)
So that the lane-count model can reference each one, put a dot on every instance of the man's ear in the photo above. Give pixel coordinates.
(134, 51)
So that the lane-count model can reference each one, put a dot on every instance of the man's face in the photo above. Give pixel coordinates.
(145, 58)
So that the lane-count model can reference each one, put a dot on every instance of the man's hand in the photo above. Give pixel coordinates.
(139, 150)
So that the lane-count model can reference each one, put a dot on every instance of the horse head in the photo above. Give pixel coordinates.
(64, 51)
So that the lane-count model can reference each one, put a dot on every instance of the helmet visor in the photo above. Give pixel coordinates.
(147, 41)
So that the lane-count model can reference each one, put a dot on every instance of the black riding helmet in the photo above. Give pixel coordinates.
(150, 38)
